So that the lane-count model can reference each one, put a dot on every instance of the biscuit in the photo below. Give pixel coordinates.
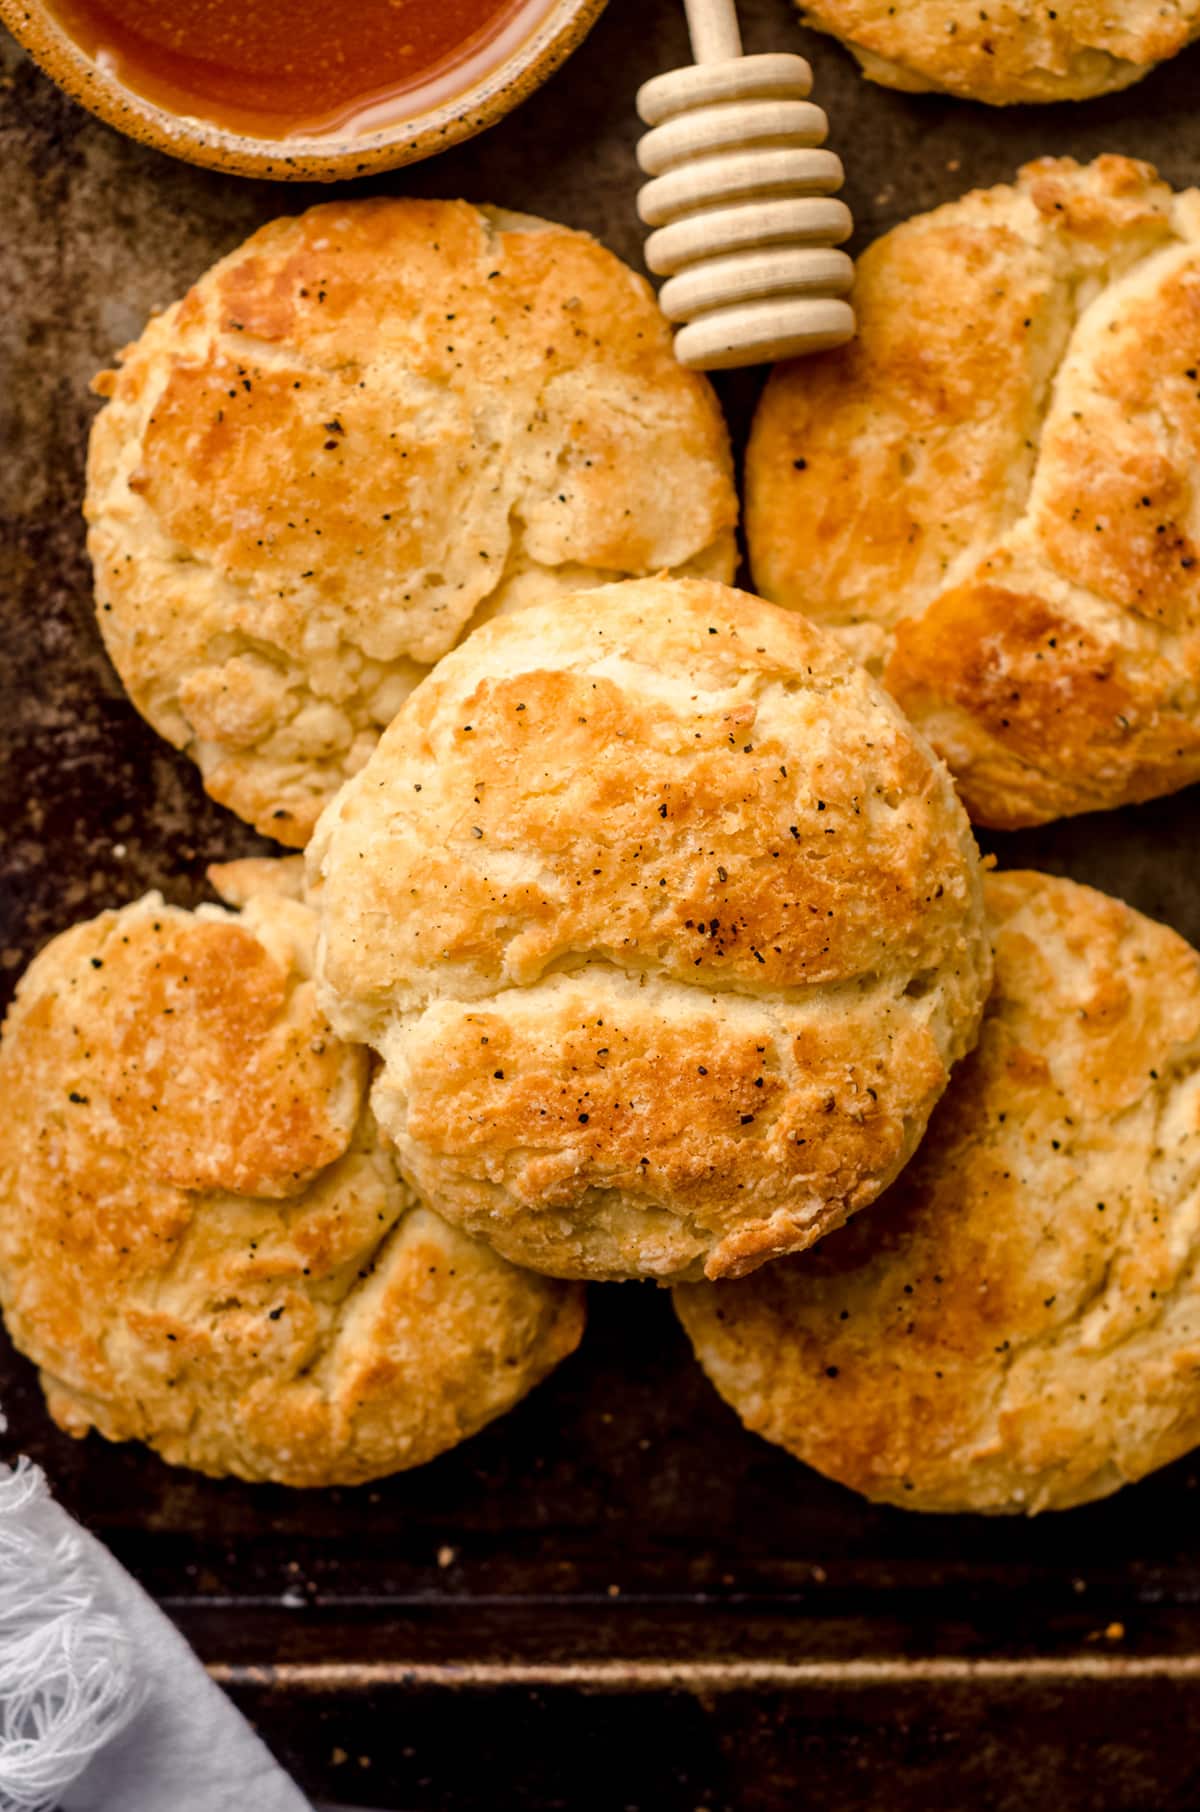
(203, 1244)
(666, 926)
(991, 496)
(365, 429)
(1016, 1325)
(1009, 50)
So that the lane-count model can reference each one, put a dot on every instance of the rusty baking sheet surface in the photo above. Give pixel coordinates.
(615, 1598)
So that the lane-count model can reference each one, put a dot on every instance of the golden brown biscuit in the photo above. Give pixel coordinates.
(1016, 1325)
(992, 495)
(203, 1244)
(666, 926)
(363, 430)
(1008, 50)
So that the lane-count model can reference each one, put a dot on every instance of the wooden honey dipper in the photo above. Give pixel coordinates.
(742, 197)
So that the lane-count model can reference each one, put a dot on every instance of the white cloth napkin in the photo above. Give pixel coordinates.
(103, 1706)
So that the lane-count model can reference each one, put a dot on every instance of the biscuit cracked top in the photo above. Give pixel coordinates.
(993, 496)
(666, 925)
(364, 429)
(203, 1243)
(1016, 1325)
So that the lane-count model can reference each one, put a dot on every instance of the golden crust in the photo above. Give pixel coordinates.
(1010, 50)
(249, 877)
(991, 498)
(1016, 1326)
(666, 926)
(363, 430)
(203, 1244)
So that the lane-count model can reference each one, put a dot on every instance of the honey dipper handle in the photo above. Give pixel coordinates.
(742, 199)
(713, 29)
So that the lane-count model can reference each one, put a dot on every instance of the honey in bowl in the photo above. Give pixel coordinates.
(280, 69)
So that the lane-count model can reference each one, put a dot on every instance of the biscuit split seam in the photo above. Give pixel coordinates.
(560, 832)
(1015, 1326)
(1051, 658)
(272, 1302)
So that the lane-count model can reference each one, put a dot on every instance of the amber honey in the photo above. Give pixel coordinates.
(283, 69)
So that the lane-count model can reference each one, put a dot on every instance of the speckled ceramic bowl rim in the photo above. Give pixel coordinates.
(405, 141)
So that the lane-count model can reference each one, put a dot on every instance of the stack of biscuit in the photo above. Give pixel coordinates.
(641, 931)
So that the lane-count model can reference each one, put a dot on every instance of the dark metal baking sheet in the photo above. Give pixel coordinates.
(615, 1598)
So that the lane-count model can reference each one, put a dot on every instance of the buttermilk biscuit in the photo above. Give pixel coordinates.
(363, 430)
(1008, 50)
(1016, 1325)
(202, 1243)
(666, 926)
(993, 495)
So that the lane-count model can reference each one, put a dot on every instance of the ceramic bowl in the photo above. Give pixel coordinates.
(490, 89)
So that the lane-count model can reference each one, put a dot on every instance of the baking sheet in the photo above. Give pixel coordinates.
(614, 1598)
